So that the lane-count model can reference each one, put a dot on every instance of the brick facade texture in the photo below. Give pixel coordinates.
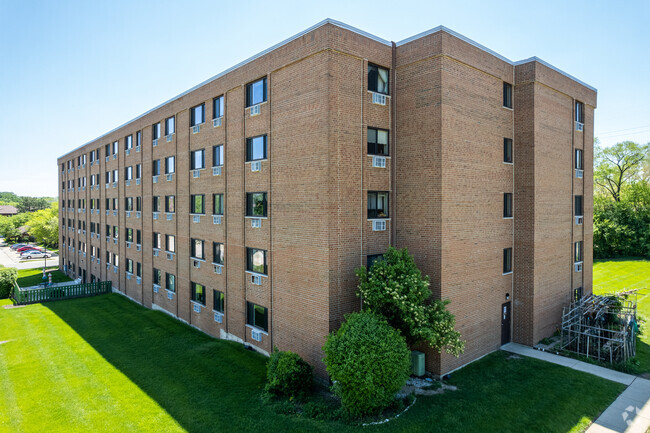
(445, 175)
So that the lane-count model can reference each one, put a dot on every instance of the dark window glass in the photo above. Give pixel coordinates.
(197, 203)
(129, 235)
(170, 282)
(157, 276)
(128, 203)
(138, 204)
(170, 204)
(217, 155)
(579, 160)
(256, 204)
(217, 107)
(256, 148)
(138, 138)
(156, 203)
(138, 269)
(218, 301)
(256, 260)
(257, 316)
(198, 115)
(155, 131)
(372, 258)
(580, 112)
(157, 240)
(507, 95)
(377, 141)
(138, 236)
(170, 165)
(217, 202)
(170, 126)
(377, 204)
(507, 150)
(128, 142)
(578, 251)
(218, 253)
(156, 167)
(507, 205)
(578, 205)
(198, 293)
(377, 79)
(198, 159)
(129, 266)
(197, 249)
(256, 92)
(507, 260)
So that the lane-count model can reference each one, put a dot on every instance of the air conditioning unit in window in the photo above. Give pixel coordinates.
(154, 143)
(218, 317)
(580, 126)
(92, 259)
(127, 152)
(156, 252)
(137, 214)
(579, 173)
(170, 295)
(115, 269)
(169, 138)
(217, 268)
(156, 287)
(138, 280)
(196, 129)
(128, 244)
(170, 256)
(115, 156)
(379, 161)
(115, 241)
(256, 279)
(137, 181)
(114, 184)
(216, 122)
(256, 223)
(137, 148)
(107, 158)
(379, 99)
(255, 110)
(128, 276)
(378, 226)
(197, 308)
(115, 212)
(216, 219)
(154, 179)
(577, 267)
(256, 334)
(216, 171)
(196, 218)
(99, 262)
(108, 212)
(170, 177)
(155, 215)
(170, 216)
(196, 173)
(196, 264)
(579, 220)
(128, 214)
(127, 182)
(138, 247)
(256, 166)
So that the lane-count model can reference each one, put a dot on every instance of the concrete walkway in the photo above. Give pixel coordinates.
(630, 412)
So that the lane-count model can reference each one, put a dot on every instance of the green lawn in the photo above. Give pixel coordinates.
(33, 277)
(611, 276)
(107, 364)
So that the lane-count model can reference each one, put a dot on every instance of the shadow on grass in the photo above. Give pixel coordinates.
(215, 385)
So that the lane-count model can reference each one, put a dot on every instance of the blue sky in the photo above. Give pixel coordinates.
(73, 70)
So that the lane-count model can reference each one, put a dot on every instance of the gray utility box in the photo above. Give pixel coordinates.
(417, 363)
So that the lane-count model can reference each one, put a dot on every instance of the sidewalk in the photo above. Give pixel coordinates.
(630, 412)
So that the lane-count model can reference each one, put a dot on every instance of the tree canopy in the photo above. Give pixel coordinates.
(618, 166)
(44, 225)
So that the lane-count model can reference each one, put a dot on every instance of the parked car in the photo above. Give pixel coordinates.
(35, 255)
(16, 246)
(27, 248)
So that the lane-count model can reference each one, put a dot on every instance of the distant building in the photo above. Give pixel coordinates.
(244, 205)
(8, 210)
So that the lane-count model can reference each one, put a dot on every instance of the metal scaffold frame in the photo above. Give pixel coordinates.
(601, 327)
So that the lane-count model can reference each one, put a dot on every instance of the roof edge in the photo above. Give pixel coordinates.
(548, 65)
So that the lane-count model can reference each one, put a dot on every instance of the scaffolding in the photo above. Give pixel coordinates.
(601, 327)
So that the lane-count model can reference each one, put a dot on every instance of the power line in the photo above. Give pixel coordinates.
(623, 130)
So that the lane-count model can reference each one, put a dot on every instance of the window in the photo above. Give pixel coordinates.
(256, 92)
(115, 176)
(257, 316)
(170, 166)
(256, 148)
(377, 141)
(217, 204)
(128, 203)
(155, 203)
(507, 205)
(115, 201)
(169, 126)
(256, 260)
(128, 173)
(377, 79)
(507, 260)
(138, 204)
(507, 150)
(507, 95)
(198, 293)
(580, 112)
(170, 282)
(197, 204)
(170, 243)
(128, 142)
(377, 204)
(197, 115)
(138, 237)
(155, 131)
(116, 260)
(579, 160)
(577, 246)
(372, 258)
(198, 159)
(170, 204)
(218, 301)
(197, 249)
(115, 232)
(578, 205)
(138, 138)
(217, 155)
(138, 269)
(157, 240)
(218, 253)
(157, 276)
(256, 204)
(156, 167)
(107, 152)
(217, 107)
(138, 171)
(108, 230)
(129, 266)
(115, 145)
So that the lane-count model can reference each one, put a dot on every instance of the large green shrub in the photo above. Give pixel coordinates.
(288, 375)
(395, 288)
(368, 362)
(7, 278)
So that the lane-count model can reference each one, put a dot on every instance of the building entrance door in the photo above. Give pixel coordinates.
(505, 323)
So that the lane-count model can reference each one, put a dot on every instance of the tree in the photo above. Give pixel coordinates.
(618, 165)
(44, 225)
(7, 279)
(9, 226)
(395, 288)
(31, 204)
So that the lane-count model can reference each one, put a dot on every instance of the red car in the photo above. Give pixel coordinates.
(21, 249)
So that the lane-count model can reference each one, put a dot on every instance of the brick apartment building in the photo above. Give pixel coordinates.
(244, 205)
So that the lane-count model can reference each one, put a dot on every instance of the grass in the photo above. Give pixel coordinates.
(611, 276)
(107, 364)
(34, 277)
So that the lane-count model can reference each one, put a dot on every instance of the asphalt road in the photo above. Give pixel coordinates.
(11, 259)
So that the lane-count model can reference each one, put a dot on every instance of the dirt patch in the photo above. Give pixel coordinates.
(424, 386)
